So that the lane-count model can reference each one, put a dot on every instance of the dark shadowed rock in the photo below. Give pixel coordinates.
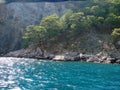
(111, 60)
(84, 57)
(115, 54)
(34, 51)
(30, 52)
(118, 61)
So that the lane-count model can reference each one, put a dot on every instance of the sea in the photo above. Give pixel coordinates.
(32, 74)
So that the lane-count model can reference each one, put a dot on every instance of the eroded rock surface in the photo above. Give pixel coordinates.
(38, 53)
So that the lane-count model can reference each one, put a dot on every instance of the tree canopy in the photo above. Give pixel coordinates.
(100, 15)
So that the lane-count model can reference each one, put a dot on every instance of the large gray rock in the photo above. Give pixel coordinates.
(30, 52)
(33, 51)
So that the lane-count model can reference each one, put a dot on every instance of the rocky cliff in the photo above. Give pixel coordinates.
(14, 17)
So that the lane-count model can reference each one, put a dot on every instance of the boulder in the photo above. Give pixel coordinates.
(84, 57)
(59, 58)
(71, 56)
(49, 56)
(93, 59)
(107, 62)
(118, 61)
(112, 60)
(103, 58)
(30, 52)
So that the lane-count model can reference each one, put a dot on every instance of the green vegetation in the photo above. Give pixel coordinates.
(116, 34)
(35, 34)
(52, 26)
(100, 15)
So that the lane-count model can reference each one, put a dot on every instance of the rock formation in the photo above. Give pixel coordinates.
(14, 17)
(34, 51)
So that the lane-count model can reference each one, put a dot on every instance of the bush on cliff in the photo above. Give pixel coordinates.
(35, 34)
(116, 34)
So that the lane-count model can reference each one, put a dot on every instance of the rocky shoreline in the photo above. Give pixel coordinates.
(37, 53)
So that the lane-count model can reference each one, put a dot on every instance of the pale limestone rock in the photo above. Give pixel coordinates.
(59, 57)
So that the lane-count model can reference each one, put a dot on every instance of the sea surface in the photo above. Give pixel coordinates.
(31, 74)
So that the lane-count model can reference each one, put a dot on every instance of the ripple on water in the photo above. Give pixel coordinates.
(30, 74)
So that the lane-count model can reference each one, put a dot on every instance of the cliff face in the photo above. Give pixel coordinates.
(14, 17)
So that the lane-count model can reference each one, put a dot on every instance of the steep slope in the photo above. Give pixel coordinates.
(14, 17)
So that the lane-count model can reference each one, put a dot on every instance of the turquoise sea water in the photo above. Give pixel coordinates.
(30, 74)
